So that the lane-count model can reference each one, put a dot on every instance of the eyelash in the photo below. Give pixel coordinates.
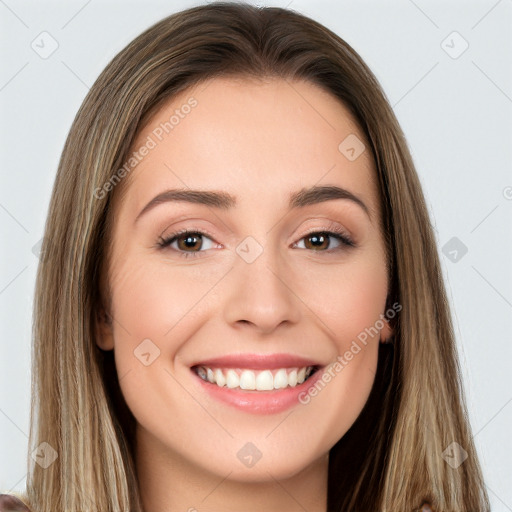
(334, 232)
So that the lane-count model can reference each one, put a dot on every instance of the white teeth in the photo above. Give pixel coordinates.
(220, 380)
(232, 379)
(247, 380)
(265, 380)
(280, 379)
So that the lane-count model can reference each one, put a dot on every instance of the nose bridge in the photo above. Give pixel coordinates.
(259, 292)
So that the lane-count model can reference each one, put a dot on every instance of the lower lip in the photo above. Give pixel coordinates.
(260, 402)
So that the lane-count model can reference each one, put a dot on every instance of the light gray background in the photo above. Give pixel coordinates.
(456, 114)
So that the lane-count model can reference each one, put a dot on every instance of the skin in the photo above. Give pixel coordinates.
(260, 141)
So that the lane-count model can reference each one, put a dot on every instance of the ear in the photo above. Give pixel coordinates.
(386, 332)
(104, 330)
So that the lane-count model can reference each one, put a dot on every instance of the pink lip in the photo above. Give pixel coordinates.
(258, 361)
(259, 402)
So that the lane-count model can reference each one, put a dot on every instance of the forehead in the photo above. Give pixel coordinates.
(260, 136)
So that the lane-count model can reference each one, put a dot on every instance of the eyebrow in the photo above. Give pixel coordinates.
(225, 201)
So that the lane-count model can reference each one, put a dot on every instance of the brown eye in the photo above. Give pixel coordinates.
(189, 242)
(317, 241)
(320, 241)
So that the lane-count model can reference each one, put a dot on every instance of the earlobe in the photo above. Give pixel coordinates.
(386, 332)
(104, 330)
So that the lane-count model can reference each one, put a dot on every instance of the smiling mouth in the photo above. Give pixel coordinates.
(255, 380)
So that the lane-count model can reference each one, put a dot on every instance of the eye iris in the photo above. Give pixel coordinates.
(189, 241)
(319, 240)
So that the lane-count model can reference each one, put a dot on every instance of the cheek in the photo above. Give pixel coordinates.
(155, 300)
(348, 297)
(350, 307)
(157, 309)
(154, 315)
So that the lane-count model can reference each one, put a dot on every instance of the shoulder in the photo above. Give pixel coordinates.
(10, 503)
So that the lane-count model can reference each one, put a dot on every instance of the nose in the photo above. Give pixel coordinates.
(260, 294)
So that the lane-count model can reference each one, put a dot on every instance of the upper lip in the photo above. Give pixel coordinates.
(258, 361)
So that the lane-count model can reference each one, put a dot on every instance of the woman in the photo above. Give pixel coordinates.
(241, 303)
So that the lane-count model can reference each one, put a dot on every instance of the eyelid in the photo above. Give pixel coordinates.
(331, 227)
(335, 227)
(195, 229)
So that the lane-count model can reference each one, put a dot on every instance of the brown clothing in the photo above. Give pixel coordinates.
(10, 503)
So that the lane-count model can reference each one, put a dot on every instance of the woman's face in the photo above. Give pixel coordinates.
(256, 276)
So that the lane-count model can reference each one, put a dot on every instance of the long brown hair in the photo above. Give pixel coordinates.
(392, 457)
